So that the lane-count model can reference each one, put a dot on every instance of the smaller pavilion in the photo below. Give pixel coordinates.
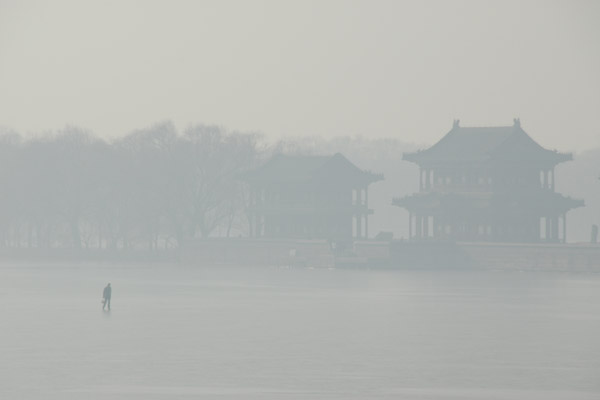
(309, 197)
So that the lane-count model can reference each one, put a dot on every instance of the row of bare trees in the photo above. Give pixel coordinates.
(150, 189)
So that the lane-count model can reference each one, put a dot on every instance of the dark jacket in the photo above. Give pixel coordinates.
(107, 292)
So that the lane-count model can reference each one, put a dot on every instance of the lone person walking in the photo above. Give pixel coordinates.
(106, 293)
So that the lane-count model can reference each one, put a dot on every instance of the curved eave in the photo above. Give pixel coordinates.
(546, 159)
(549, 159)
(364, 178)
(371, 177)
(414, 157)
(570, 203)
(545, 202)
(562, 157)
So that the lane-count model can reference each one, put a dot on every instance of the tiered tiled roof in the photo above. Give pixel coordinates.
(310, 169)
(486, 144)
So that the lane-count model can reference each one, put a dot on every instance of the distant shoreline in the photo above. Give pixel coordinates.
(397, 255)
(87, 255)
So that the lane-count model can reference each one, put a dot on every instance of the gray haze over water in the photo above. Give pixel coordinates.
(182, 333)
(126, 128)
(310, 71)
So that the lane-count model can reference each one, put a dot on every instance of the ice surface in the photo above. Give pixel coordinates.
(180, 333)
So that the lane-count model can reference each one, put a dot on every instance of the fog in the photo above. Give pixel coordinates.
(158, 186)
(399, 69)
(201, 310)
(293, 200)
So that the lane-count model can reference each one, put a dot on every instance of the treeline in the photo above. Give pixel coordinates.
(156, 187)
(150, 189)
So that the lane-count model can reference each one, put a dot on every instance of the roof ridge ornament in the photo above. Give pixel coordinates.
(456, 123)
(517, 122)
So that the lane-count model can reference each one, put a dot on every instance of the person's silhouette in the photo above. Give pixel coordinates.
(106, 295)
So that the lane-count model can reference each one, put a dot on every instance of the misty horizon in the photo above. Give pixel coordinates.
(267, 140)
(155, 143)
(392, 69)
(300, 199)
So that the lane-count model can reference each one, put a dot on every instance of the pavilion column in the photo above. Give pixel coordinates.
(266, 226)
(257, 214)
(410, 218)
(421, 179)
(253, 211)
(358, 226)
(366, 212)
(418, 225)
(426, 227)
(555, 229)
(269, 221)
(257, 227)
(258, 203)
(564, 218)
(544, 179)
(552, 179)
(250, 223)
(429, 179)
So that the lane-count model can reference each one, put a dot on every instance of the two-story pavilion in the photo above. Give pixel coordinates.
(309, 197)
(487, 184)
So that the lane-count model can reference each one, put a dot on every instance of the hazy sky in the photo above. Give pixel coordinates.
(402, 69)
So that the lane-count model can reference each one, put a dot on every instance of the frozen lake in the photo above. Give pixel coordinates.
(184, 333)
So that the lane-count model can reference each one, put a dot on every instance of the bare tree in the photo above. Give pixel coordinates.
(214, 158)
